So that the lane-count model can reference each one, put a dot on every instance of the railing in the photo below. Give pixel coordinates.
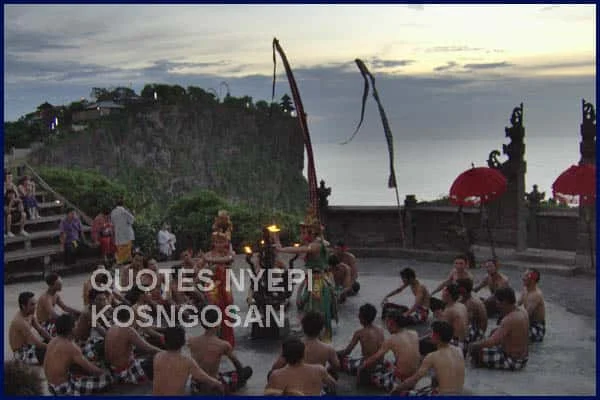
(47, 187)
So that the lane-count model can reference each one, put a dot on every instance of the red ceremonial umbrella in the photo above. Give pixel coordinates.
(478, 186)
(579, 181)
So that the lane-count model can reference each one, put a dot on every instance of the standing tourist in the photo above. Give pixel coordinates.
(123, 221)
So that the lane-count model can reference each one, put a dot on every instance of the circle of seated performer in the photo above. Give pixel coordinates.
(21, 379)
(508, 346)
(493, 281)
(119, 343)
(297, 378)
(404, 344)
(172, 368)
(532, 299)
(342, 253)
(456, 314)
(370, 337)
(419, 312)
(63, 357)
(208, 349)
(26, 346)
(447, 364)
(459, 271)
(316, 351)
(44, 311)
(478, 318)
(342, 277)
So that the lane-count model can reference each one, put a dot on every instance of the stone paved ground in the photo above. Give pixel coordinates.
(564, 364)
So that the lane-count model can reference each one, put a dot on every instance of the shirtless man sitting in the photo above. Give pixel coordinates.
(44, 312)
(316, 351)
(342, 253)
(172, 369)
(90, 328)
(118, 350)
(342, 277)
(507, 347)
(297, 378)
(447, 364)
(62, 355)
(208, 349)
(460, 271)
(370, 337)
(532, 300)
(26, 346)
(419, 312)
(404, 344)
(478, 318)
(143, 309)
(493, 281)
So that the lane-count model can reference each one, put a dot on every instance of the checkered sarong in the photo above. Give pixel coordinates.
(474, 334)
(350, 365)
(90, 348)
(425, 391)
(232, 380)
(81, 385)
(385, 376)
(461, 344)
(537, 331)
(419, 315)
(50, 327)
(134, 373)
(496, 358)
(29, 354)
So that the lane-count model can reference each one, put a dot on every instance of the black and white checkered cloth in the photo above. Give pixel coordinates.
(474, 334)
(537, 331)
(28, 354)
(81, 385)
(50, 327)
(461, 344)
(134, 373)
(496, 358)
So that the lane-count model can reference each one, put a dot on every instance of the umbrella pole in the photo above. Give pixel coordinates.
(489, 230)
(588, 221)
(400, 217)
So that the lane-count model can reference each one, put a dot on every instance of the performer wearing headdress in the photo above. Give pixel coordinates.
(223, 224)
(219, 260)
(322, 297)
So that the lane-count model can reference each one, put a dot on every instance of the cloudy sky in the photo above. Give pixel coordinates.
(464, 63)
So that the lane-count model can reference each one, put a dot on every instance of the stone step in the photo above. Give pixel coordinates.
(38, 235)
(50, 204)
(37, 252)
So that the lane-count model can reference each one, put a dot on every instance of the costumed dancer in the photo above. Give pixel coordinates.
(321, 296)
(219, 260)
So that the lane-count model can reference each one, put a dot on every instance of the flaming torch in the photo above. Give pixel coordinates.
(248, 251)
(291, 262)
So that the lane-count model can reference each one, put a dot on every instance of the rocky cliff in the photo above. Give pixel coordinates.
(244, 154)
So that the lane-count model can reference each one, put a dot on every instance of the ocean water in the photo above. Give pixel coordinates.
(358, 172)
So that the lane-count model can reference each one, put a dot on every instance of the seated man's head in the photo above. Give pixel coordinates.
(174, 338)
(441, 332)
(125, 316)
(408, 276)
(211, 319)
(312, 324)
(465, 287)
(54, 282)
(340, 247)
(292, 351)
(27, 303)
(394, 321)
(21, 380)
(492, 266)
(366, 314)
(451, 293)
(506, 299)
(98, 299)
(531, 277)
(333, 260)
(137, 295)
(137, 260)
(64, 325)
(461, 262)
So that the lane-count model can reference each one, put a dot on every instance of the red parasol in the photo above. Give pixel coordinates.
(578, 180)
(477, 186)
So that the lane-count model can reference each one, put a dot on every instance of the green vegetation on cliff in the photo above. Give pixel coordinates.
(191, 215)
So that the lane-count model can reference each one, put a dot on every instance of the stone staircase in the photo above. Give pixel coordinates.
(39, 251)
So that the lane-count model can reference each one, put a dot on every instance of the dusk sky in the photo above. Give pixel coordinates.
(467, 65)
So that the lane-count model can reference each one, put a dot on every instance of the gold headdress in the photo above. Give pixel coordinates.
(312, 222)
(223, 224)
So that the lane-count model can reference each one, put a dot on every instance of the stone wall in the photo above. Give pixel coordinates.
(436, 228)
